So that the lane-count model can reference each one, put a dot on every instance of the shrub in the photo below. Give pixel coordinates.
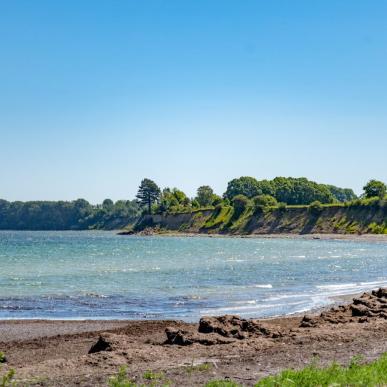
(282, 207)
(316, 207)
(240, 203)
(264, 201)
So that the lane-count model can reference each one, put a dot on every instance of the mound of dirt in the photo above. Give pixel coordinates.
(369, 306)
(221, 330)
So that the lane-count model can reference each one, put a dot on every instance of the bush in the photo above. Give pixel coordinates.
(282, 207)
(240, 203)
(264, 201)
(316, 207)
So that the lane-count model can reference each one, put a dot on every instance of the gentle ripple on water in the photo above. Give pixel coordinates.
(101, 275)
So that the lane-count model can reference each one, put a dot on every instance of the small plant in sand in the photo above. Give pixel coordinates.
(199, 367)
(121, 379)
(7, 379)
(222, 383)
(150, 375)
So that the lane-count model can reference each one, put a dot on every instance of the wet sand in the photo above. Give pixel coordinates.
(55, 353)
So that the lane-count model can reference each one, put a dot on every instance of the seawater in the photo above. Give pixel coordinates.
(100, 275)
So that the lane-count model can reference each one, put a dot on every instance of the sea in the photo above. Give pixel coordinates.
(100, 275)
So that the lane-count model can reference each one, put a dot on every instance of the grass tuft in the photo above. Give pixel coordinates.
(356, 374)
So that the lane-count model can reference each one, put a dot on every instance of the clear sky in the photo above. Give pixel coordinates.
(95, 95)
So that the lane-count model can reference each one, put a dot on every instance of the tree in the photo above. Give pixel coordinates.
(108, 204)
(205, 195)
(245, 185)
(375, 188)
(342, 194)
(148, 193)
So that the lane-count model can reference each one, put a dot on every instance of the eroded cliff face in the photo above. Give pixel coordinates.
(328, 220)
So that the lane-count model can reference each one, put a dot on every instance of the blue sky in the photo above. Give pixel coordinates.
(95, 95)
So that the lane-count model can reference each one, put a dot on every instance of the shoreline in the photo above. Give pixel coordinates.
(65, 353)
(338, 237)
(46, 327)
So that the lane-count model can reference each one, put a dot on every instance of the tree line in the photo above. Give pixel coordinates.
(240, 193)
(281, 191)
(62, 215)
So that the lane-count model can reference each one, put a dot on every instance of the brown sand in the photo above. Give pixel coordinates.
(55, 353)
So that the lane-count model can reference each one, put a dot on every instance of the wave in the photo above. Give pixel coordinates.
(262, 286)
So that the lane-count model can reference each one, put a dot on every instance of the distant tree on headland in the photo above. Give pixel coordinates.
(205, 196)
(148, 193)
(375, 188)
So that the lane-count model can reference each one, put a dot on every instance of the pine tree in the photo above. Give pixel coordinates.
(148, 193)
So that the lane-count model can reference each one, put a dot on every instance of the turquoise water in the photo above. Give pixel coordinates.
(101, 275)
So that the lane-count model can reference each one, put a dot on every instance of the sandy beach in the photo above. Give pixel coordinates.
(56, 353)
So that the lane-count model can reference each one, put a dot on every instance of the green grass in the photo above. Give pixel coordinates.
(356, 374)
(121, 379)
(199, 368)
(378, 228)
(6, 380)
(150, 375)
(222, 383)
(220, 217)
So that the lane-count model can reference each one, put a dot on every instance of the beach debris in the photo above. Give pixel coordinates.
(367, 306)
(183, 338)
(101, 345)
(221, 330)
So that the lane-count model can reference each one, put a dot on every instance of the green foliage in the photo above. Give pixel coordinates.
(7, 380)
(316, 207)
(240, 203)
(204, 367)
(150, 375)
(148, 193)
(247, 186)
(220, 216)
(356, 374)
(375, 188)
(342, 195)
(173, 201)
(264, 201)
(2, 357)
(108, 204)
(282, 207)
(222, 383)
(204, 196)
(375, 228)
(75, 215)
(300, 191)
(121, 379)
(366, 202)
(293, 191)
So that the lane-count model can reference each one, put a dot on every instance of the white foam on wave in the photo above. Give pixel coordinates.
(239, 309)
(263, 286)
(349, 288)
(336, 286)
